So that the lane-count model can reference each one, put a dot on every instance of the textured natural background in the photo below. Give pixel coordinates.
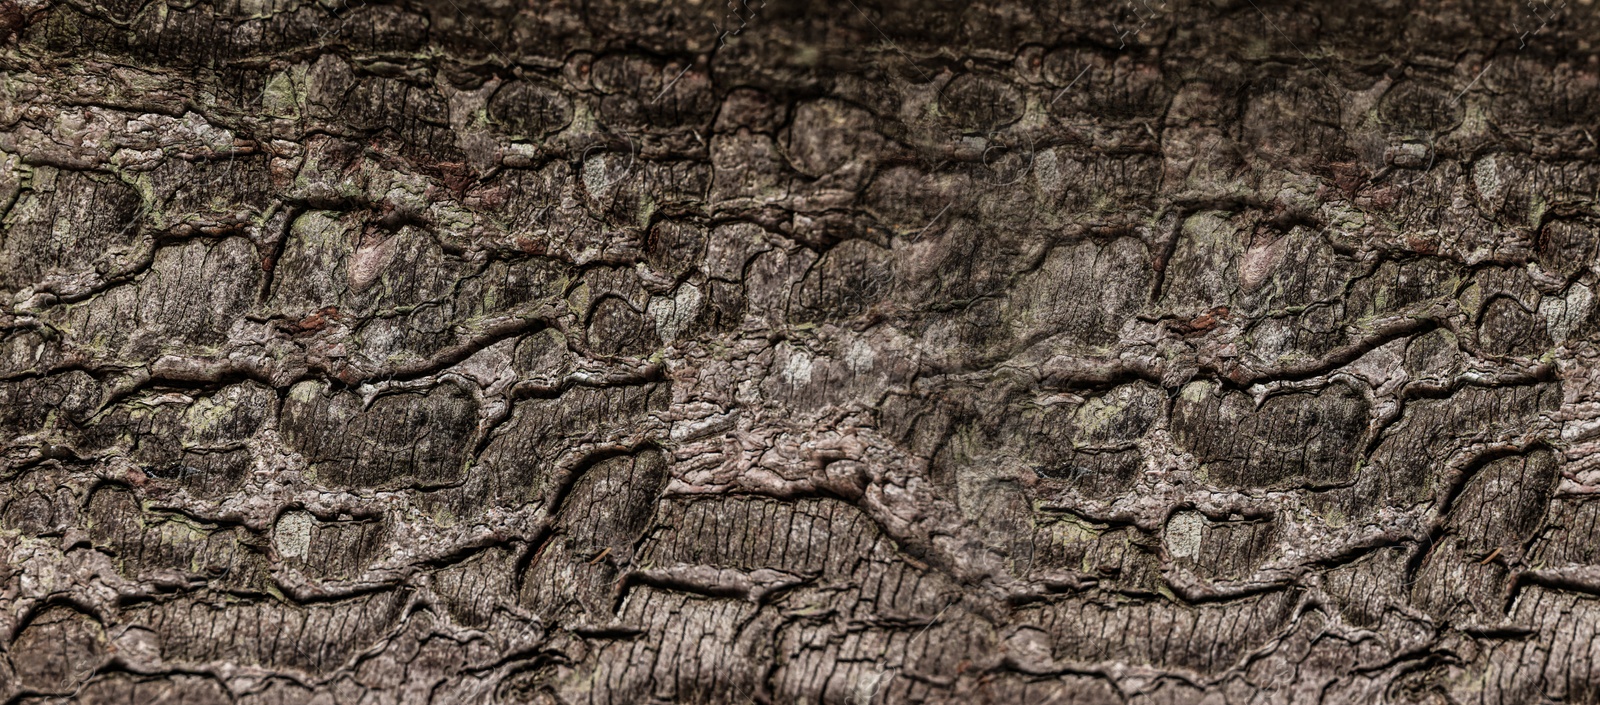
(678, 351)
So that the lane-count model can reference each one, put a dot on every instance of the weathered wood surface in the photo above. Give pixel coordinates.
(623, 352)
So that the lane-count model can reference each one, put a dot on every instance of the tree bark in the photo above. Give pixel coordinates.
(874, 351)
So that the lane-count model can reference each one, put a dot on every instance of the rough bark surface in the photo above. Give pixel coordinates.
(890, 351)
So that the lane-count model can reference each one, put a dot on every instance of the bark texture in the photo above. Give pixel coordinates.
(619, 352)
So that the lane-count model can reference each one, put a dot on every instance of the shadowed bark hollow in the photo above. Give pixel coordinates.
(606, 352)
